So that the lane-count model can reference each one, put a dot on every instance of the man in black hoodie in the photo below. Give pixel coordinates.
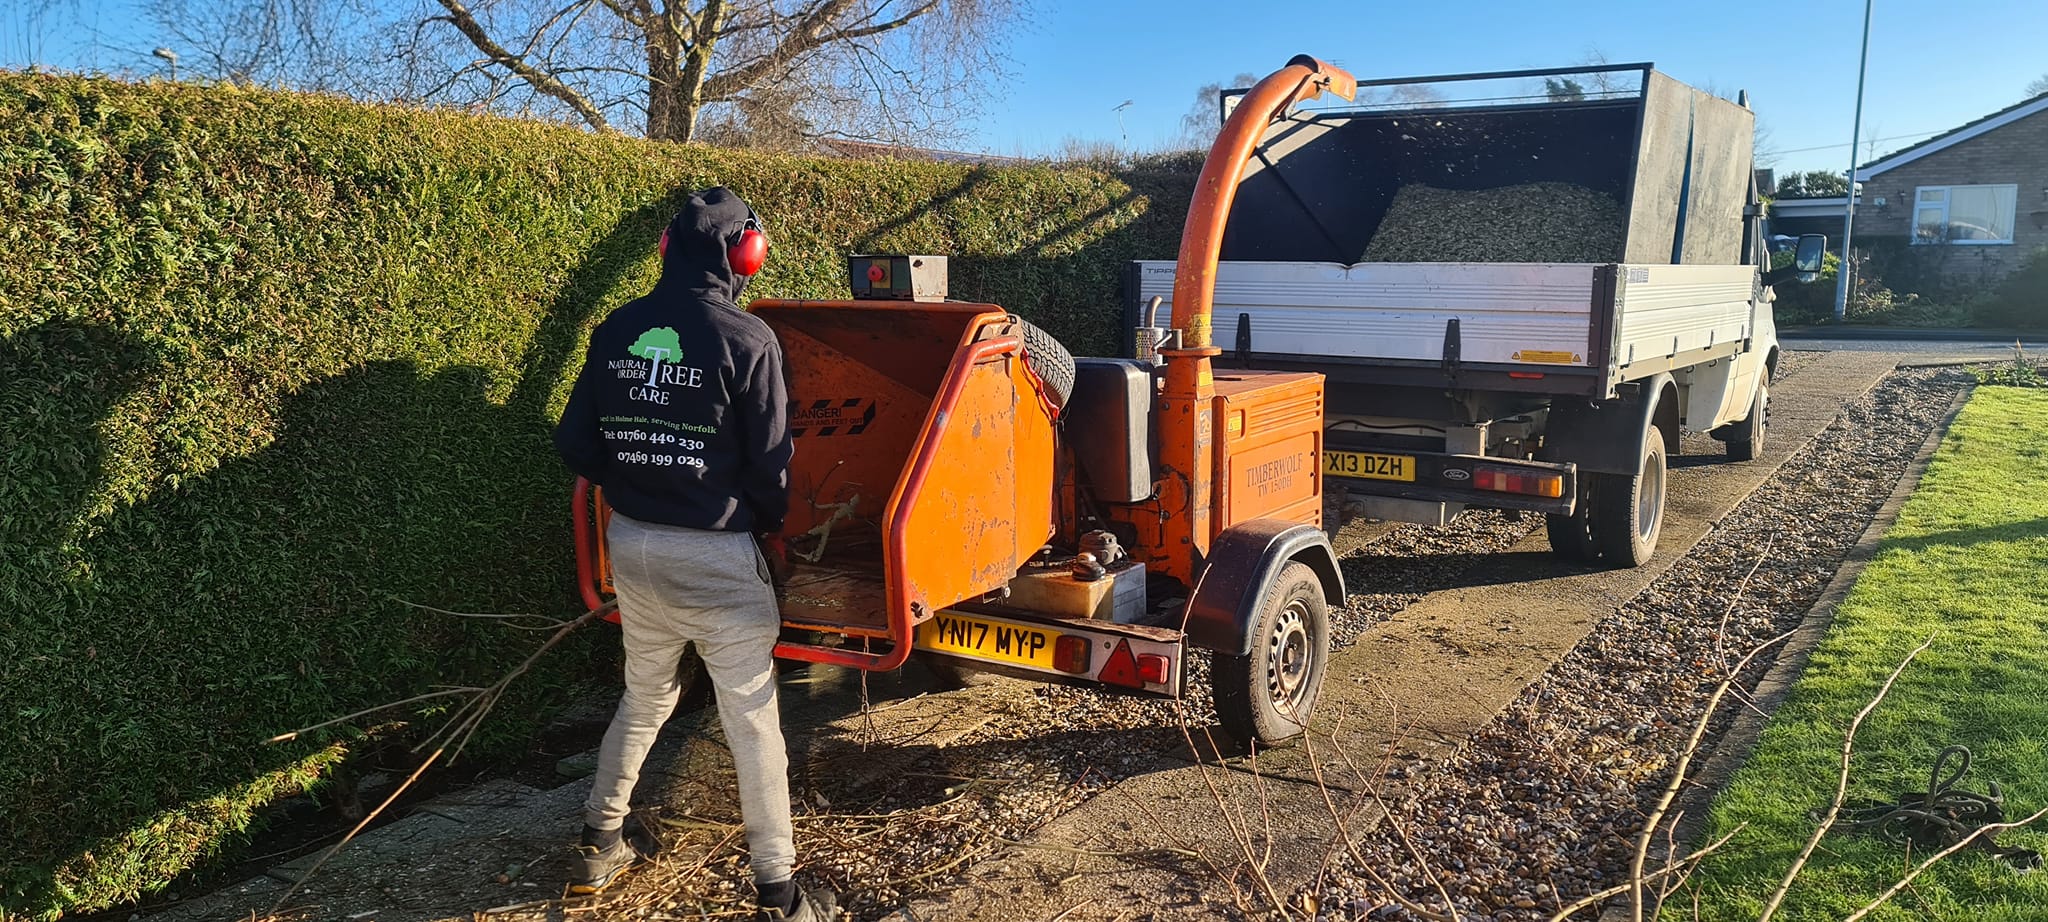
(680, 414)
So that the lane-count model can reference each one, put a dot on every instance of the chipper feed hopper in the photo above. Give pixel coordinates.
(965, 491)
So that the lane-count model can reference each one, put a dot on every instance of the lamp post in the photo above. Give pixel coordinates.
(170, 56)
(1849, 206)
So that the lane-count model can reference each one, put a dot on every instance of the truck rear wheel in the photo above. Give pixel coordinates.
(1571, 536)
(1746, 438)
(1267, 695)
(1628, 511)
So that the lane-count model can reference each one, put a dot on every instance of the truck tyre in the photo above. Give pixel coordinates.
(1050, 361)
(1746, 438)
(1628, 511)
(1571, 536)
(1267, 695)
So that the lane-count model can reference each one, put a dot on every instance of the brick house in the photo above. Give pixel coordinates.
(1965, 206)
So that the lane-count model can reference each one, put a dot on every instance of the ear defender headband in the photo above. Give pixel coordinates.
(749, 252)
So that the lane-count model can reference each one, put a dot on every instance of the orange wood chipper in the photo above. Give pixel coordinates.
(965, 491)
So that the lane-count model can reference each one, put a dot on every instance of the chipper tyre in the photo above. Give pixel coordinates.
(1628, 511)
(1267, 695)
(1050, 361)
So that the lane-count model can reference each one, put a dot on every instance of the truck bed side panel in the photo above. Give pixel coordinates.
(1671, 311)
(1508, 313)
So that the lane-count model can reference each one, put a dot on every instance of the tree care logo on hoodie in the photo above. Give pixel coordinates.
(658, 368)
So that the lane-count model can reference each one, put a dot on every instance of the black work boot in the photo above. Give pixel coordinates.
(816, 905)
(600, 859)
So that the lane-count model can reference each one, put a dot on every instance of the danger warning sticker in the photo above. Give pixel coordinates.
(847, 416)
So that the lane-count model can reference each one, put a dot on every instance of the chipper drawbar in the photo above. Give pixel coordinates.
(965, 491)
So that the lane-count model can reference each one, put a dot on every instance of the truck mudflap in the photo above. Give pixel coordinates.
(1436, 477)
(1132, 658)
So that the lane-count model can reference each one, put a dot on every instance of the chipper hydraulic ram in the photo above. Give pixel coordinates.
(965, 491)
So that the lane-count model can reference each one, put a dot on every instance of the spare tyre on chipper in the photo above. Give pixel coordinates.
(963, 490)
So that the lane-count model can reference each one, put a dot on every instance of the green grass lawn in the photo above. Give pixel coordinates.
(1966, 564)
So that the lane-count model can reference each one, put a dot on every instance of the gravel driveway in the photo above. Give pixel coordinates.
(1543, 805)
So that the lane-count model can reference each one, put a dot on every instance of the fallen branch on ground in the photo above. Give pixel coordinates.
(457, 731)
(1841, 787)
(1678, 773)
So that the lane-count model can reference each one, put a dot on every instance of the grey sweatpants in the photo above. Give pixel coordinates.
(711, 588)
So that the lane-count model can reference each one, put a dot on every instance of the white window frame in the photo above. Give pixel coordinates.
(1946, 196)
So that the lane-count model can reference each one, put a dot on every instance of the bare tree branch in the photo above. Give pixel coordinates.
(460, 17)
(779, 73)
(1841, 788)
(808, 35)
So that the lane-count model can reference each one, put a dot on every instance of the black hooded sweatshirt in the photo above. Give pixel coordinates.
(680, 412)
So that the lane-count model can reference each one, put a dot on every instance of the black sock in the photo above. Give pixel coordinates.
(780, 894)
(599, 838)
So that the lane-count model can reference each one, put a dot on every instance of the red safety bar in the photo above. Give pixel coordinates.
(589, 581)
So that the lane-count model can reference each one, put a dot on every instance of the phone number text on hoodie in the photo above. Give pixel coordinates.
(641, 457)
(655, 459)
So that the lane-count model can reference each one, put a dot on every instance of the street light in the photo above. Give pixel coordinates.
(1849, 207)
(171, 56)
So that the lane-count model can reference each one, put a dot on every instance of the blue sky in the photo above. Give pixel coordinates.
(1932, 65)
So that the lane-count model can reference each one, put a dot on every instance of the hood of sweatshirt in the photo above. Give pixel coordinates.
(698, 237)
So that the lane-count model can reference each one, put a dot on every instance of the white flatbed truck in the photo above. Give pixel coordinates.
(1558, 388)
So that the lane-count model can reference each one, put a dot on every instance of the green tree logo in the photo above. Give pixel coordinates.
(656, 346)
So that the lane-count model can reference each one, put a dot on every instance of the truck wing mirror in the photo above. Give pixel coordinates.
(1812, 249)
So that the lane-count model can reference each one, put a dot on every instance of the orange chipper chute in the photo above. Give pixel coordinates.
(1186, 420)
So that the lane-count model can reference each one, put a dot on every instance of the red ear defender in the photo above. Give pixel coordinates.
(750, 252)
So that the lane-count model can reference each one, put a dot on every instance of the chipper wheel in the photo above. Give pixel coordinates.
(1267, 695)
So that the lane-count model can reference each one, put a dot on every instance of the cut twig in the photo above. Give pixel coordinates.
(1240, 825)
(458, 730)
(1944, 853)
(1691, 860)
(1841, 790)
(545, 623)
(1450, 912)
(345, 840)
(1692, 748)
(287, 737)
(1721, 635)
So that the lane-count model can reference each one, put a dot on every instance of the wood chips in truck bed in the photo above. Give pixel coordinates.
(1543, 222)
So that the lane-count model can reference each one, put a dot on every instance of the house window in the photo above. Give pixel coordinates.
(1964, 214)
